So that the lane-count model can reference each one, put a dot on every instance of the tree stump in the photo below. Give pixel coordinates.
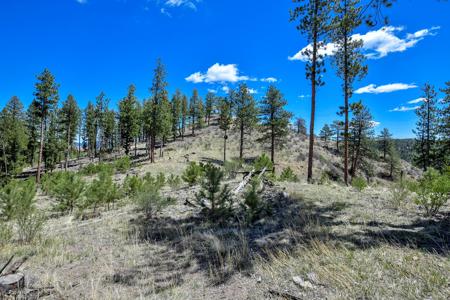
(12, 282)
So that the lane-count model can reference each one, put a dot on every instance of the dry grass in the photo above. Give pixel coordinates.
(348, 244)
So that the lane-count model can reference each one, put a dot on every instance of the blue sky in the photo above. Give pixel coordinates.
(105, 45)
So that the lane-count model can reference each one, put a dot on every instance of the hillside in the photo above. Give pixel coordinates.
(319, 241)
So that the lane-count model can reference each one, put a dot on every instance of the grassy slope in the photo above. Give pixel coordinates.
(348, 245)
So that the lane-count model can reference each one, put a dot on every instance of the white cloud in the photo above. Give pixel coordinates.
(218, 73)
(252, 91)
(269, 79)
(374, 124)
(415, 101)
(304, 96)
(212, 91)
(388, 88)
(82, 1)
(377, 43)
(404, 108)
(165, 12)
(177, 3)
(226, 89)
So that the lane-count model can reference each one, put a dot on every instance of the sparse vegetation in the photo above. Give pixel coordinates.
(433, 191)
(193, 173)
(288, 175)
(359, 183)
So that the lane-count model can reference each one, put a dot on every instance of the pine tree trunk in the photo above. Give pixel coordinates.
(66, 164)
(346, 108)
(135, 147)
(225, 147)
(241, 142)
(41, 150)
(272, 146)
(313, 100)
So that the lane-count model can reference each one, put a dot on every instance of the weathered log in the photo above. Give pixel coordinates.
(7, 263)
(12, 282)
(15, 266)
(243, 183)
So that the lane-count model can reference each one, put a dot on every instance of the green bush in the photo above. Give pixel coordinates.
(262, 162)
(193, 173)
(68, 191)
(132, 185)
(217, 201)
(150, 201)
(160, 180)
(324, 178)
(92, 169)
(288, 175)
(359, 183)
(102, 191)
(174, 181)
(123, 164)
(6, 233)
(253, 205)
(399, 193)
(10, 194)
(28, 219)
(433, 191)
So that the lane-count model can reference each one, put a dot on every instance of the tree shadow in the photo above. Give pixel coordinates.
(191, 244)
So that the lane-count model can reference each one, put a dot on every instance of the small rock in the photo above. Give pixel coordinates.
(259, 279)
(302, 283)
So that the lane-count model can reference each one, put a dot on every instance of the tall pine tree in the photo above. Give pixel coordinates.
(45, 102)
(128, 119)
(274, 120)
(70, 119)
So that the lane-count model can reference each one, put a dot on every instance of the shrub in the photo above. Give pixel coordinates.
(217, 201)
(399, 193)
(50, 181)
(122, 165)
(132, 185)
(174, 181)
(6, 233)
(28, 219)
(433, 191)
(253, 205)
(193, 173)
(102, 191)
(150, 201)
(288, 175)
(92, 169)
(359, 183)
(10, 194)
(324, 178)
(160, 180)
(68, 190)
(262, 162)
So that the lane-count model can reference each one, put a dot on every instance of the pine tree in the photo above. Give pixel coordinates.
(54, 143)
(209, 106)
(274, 120)
(128, 119)
(300, 124)
(193, 109)
(246, 114)
(165, 122)
(225, 122)
(314, 16)
(176, 114)
(326, 133)
(200, 114)
(384, 141)
(101, 108)
(393, 161)
(426, 129)
(45, 102)
(33, 131)
(109, 129)
(444, 127)
(348, 58)
(360, 137)
(70, 119)
(153, 105)
(184, 115)
(337, 128)
(13, 136)
(90, 129)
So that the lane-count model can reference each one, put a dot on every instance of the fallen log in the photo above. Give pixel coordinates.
(283, 295)
(247, 179)
(7, 263)
(15, 266)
